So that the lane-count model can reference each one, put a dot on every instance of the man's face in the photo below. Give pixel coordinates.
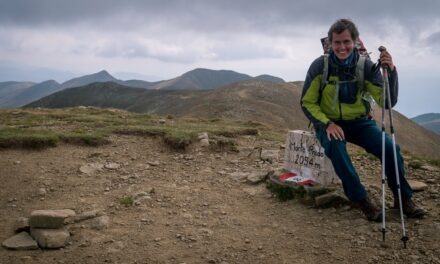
(342, 44)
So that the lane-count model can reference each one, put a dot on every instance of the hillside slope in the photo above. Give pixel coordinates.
(265, 102)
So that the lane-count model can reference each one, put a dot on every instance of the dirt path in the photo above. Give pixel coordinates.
(193, 210)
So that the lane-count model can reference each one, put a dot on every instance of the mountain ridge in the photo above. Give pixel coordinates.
(197, 79)
(429, 121)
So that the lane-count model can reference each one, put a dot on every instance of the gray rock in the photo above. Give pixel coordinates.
(42, 192)
(429, 168)
(269, 155)
(21, 241)
(203, 135)
(22, 224)
(239, 176)
(49, 218)
(332, 199)
(83, 216)
(417, 186)
(100, 223)
(112, 166)
(50, 238)
(153, 163)
(91, 168)
(257, 177)
(204, 142)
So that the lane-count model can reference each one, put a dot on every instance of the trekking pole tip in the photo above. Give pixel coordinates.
(404, 239)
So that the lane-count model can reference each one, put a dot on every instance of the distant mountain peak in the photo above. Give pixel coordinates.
(101, 76)
(103, 72)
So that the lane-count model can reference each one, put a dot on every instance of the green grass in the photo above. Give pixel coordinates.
(126, 201)
(27, 138)
(86, 138)
(38, 128)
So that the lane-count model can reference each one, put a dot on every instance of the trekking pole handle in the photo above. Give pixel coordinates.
(382, 49)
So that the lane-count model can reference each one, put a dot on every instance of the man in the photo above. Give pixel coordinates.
(340, 114)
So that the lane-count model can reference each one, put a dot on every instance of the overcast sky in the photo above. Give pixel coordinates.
(164, 39)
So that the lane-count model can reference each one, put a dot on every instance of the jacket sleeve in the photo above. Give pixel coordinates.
(375, 84)
(311, 95)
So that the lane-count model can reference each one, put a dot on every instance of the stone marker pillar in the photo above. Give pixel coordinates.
(305, 155)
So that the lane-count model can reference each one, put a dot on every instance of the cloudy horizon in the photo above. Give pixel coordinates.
(164, 39)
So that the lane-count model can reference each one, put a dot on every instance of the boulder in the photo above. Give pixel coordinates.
(50, 238)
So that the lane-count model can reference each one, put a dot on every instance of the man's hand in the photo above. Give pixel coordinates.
(334, 132)
(386, 59)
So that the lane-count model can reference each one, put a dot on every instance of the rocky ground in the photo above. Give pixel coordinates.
(196, 206)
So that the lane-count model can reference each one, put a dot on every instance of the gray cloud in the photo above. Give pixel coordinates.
(208, 16)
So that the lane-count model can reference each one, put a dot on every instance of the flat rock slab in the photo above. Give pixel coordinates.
(91, 168)
(52, 219)
(50, 238)
(417, 186)
(21, 241)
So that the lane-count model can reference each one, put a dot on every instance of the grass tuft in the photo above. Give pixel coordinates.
(27, 138)
(126, 201)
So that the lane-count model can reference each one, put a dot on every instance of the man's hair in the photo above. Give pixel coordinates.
(343, 24)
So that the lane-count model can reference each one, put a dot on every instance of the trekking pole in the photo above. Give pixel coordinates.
(388, 95)
(383, 166)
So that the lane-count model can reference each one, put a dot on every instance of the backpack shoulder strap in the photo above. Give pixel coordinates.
(360, 73)
(324, 74)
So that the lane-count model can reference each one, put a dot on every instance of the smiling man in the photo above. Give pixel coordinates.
(335, 99)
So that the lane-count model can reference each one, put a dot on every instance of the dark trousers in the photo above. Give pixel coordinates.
(366, 134)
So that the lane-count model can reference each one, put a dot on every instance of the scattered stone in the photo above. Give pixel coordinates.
(49, 218)
(91, 168)
(42, 192)
(112, 166)
(429, 168)
(204, 142)
(153, 163)
(100, 223)
(269, 155)
(257, 177)
(138, 198)
(50, 238)
(22, 224)
(417, 186)
(239, 176)
(203, 135)
(21, 241)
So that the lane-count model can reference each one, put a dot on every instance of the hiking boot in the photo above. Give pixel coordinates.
(410, 209)
(370, 210)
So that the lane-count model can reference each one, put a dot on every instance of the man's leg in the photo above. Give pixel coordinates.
(369, 136)
(336, 151)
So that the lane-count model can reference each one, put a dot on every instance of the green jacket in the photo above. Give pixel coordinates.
(351, 102)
